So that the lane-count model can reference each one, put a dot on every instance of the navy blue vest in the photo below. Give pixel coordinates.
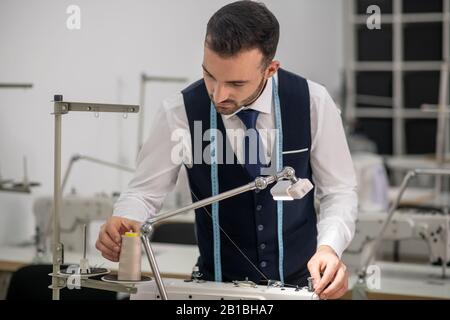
(250, 219)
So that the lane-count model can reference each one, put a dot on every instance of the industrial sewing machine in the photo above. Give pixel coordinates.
(76, 212)
(178, 289)
(432, 226)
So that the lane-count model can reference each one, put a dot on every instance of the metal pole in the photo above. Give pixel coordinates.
(94, 160)
(145, 238)
(447, 230)
(141, 114)
(16, 85)
(84, 240)
(57, 207)
(204, 202)
(441, 127)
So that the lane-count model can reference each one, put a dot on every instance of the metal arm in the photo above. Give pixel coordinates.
(16, 85)
(78, 157)
(259, 183)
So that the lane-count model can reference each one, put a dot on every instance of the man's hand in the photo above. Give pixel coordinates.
(334, 282)
(109, 238)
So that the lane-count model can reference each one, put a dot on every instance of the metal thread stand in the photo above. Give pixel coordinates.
(62, 107)
(23, 187)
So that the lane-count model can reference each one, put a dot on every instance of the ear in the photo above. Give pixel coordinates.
(272, 69)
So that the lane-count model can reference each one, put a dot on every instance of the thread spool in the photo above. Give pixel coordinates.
(130, 258)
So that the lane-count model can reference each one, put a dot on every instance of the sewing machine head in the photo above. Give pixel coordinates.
(76, 211)
(431, 226)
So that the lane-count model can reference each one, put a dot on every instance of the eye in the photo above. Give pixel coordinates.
(237, 84)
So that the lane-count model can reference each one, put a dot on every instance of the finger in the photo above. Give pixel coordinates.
(314, 270)
(113, 233)
(111, 258)
(108, 242)
(132, 225)
(338, 282)
(340, 292)
(106, 251)
(328, 275)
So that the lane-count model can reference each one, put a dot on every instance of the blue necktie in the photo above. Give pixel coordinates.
(252, 161)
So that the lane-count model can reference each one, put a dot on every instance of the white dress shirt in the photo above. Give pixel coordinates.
(169, 146)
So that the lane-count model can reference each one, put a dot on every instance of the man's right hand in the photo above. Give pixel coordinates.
(110, 236)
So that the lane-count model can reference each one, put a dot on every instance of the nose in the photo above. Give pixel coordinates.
(220, 93)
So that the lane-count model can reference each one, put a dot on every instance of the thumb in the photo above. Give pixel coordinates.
(132, 225)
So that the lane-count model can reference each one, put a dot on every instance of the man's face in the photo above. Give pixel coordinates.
(233, 82)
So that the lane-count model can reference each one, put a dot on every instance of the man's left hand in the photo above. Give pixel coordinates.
(333, 284)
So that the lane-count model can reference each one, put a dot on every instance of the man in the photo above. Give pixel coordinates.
(244, 89)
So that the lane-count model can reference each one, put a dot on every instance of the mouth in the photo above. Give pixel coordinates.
(225, 105)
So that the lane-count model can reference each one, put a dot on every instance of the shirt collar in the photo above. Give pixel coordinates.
(263, 104)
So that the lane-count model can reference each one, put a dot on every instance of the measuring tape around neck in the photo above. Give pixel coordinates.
(215, 185)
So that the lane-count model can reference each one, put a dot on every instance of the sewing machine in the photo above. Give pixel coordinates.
(430, 226)
(179, 289)
(76, 211)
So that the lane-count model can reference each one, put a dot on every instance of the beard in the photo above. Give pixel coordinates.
(235, 105)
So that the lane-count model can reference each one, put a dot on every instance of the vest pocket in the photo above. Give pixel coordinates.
(295, 151)
(295, 158)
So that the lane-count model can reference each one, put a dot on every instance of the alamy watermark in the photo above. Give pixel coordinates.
(373, 22)
(73, 21)
(228, 144)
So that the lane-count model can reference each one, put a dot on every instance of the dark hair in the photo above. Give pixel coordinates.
(243, 25)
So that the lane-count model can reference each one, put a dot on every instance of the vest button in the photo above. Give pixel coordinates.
(260, 227)
(263, 264)
(258, 207)
(257, 191)
(262, 246)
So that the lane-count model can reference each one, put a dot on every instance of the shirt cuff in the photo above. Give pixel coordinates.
(132, 209)
(332, 237)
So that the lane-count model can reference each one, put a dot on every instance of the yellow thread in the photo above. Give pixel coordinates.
(131, 234)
